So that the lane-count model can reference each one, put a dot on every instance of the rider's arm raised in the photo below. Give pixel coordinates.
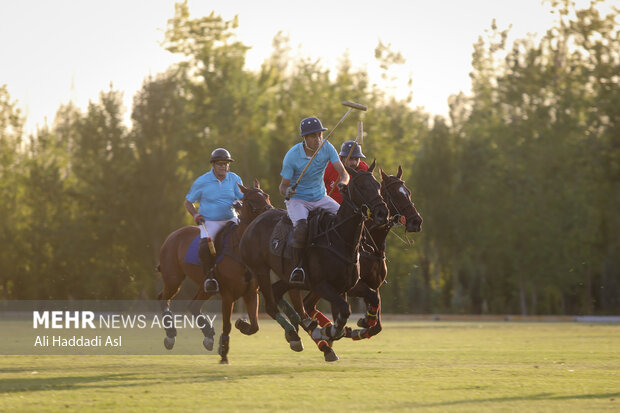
(344, 176)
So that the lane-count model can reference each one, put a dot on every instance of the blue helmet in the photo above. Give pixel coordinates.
(346, 148)
(310, 125)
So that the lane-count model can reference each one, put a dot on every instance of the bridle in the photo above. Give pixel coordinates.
(260, 209)
(396, 218)
(389, 200)
(364, 211)
(366, 208)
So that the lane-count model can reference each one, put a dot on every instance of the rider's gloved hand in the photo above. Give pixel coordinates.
(342, 187)
(199, 219)
(288, 194)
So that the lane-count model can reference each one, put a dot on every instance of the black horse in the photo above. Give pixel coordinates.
(331, 259)
(373, 268)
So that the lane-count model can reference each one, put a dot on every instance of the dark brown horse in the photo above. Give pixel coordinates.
(331, 263)
(373, 268)
(233, 278)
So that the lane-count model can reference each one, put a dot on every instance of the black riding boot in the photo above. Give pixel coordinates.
(300, 231)
(208, 265)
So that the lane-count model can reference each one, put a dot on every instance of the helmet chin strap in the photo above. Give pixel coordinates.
(309, 148)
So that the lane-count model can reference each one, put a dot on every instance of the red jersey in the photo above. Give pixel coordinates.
(331, 177)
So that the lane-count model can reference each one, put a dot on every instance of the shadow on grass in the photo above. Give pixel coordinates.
(143, 378)
(532, 397)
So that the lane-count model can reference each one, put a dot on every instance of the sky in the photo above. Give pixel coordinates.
(60, 51)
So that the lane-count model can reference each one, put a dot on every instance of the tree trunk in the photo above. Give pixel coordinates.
(522, 296)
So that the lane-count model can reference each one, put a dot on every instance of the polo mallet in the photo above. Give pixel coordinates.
(359, 140)
(209, 240)
(351, 106)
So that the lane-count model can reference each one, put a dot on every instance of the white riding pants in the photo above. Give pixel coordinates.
(213, 227)
(299, 209)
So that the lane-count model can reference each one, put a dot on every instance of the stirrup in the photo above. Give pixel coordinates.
(298, 276)
(211, 285)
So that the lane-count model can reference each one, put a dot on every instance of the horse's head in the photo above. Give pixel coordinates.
(363, 192)
(398, 198)
(254, 202)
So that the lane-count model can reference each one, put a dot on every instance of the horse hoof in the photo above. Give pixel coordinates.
(296, 345)
(169, 342)
(208, 343)
(362, 323)
(224, 361)
(330, 356)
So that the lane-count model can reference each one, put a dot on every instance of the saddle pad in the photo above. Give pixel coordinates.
(191, 256)
(281, 238)
(221, 242)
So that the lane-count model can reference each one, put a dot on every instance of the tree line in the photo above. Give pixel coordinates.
(519, 188)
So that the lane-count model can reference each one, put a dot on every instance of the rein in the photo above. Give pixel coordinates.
(363, 211)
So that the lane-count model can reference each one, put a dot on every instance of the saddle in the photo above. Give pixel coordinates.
(319, 220)
(222, 245)
(281, 236)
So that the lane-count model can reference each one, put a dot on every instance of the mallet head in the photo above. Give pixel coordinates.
(354, 105)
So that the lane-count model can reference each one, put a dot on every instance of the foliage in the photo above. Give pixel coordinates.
(519, 188)
(535, 150)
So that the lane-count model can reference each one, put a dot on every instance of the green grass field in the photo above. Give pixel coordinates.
(411, 365)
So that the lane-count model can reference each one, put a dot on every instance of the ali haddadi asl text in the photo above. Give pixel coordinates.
(78, 341)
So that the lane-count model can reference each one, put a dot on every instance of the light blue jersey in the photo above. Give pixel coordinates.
(215, 197)
(310, 187)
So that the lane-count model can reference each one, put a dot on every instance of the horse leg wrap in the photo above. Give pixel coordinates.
(245, 327)
(289, 311)
(168, 320)
(331, 332)
(224, 345)
(374, 330)
(308, 325)
(338, 329)
(360, 334)
(371, 315)
(284, 323)
(290, 333)
(207, 329)
(320, 317)
(323, 345)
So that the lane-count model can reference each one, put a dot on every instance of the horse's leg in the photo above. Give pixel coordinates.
(370, 321)
(251, 303)
(172, 284)
(329, 332)
(310, 301)
(205, 324)
(372, 301)
(271, 307)
(228, 304)
(376, 329)
(340, 309)
(279, 288)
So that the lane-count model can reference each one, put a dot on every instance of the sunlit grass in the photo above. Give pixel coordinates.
(432, 366)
